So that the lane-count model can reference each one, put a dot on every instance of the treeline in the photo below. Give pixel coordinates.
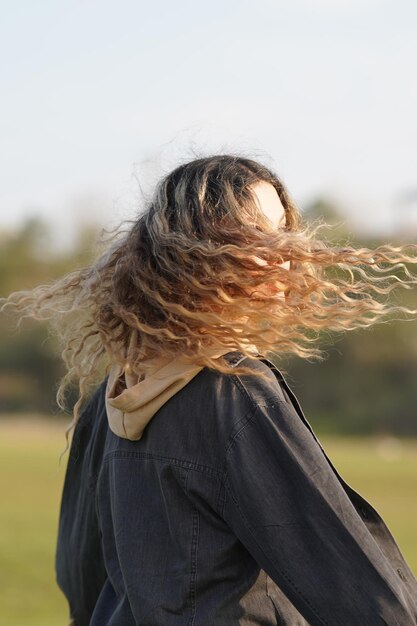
(30, 363)
(367, 384)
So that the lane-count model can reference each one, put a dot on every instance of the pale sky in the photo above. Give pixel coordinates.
(96, 94)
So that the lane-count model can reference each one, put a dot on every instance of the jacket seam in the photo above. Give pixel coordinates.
(126, 455)
(244, 422)
(238, 382)
(193, 553)
(253, 405)
(195, 536)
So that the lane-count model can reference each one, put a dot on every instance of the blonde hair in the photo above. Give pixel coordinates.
(185, 276)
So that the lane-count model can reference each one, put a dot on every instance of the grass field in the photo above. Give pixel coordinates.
(383, 471)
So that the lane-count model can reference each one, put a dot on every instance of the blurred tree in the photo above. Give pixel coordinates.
(30, 364)
(327, 212)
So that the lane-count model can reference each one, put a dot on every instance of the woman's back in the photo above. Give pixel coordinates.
(211, 502)
(225, 512)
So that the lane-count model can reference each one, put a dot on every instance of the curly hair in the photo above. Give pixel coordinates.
(185, 277)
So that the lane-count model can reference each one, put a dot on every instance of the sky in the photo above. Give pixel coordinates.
(100, 99)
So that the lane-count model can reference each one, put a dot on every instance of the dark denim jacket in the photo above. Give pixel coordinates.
(227, 512)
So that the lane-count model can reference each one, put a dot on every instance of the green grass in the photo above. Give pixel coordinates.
(31, 482)
(383, 472)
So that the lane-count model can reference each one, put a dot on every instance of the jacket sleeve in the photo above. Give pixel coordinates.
(284, 502)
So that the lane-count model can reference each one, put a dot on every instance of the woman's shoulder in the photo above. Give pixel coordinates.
(258, 389)
(227, 401)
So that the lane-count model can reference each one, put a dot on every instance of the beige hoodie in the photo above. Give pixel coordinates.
(131, 404)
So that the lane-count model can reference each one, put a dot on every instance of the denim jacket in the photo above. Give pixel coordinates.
(226, 512)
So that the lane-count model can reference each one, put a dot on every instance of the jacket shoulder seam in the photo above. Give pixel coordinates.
(250, 414)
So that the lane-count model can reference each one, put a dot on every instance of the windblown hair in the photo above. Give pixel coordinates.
(190, 273)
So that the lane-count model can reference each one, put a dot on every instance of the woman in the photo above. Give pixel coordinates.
(196, 492)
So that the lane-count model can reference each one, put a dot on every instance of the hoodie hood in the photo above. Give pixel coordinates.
(131, 403)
